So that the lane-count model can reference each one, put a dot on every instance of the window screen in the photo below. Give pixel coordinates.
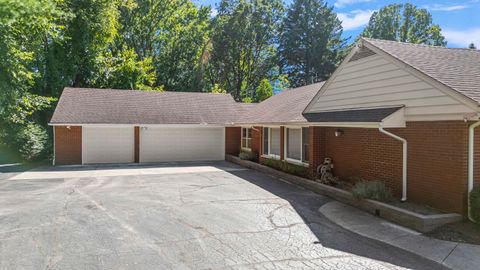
(265, 141)
(275, 141)
(294, 143)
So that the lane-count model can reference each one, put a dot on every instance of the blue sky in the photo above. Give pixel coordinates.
(460, 20)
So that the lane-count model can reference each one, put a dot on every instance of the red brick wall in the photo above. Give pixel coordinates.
(476, 158)
(232, 140)
(316, 139)
(437, 159)
(68, 145)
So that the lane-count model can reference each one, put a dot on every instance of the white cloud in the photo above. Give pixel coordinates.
(343, 3)
(355, 19)
(441, 7)
(213, 12)
(462, 38)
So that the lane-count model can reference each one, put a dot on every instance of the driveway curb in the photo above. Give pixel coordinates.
(450, 254)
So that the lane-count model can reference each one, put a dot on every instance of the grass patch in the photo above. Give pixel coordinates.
(374, 190)
(247, 155)
(287, 167)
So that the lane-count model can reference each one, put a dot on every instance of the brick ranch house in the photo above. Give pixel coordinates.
(401, 113)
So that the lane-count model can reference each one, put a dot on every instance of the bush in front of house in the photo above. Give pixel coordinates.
(374, 190)
(475, 204)
(284, 166)
(247, 155)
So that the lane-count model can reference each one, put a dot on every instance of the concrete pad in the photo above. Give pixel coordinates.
(433, 249)
(195, 216)
(464, 256)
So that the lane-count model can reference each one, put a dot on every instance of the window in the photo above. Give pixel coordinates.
(296, 144)
(271, 141)
(265, 141)
(274, 141)
(247, 138)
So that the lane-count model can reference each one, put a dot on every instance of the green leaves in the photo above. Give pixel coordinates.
(406, 23)
(310, 43)
(243, 40)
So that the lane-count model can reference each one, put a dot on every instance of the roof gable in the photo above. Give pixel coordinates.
(458, 69)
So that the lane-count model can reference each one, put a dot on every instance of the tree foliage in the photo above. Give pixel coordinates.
(250, 49)
(243, 44)
(405, 23)
(311, 42)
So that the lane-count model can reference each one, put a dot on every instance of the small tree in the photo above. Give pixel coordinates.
(472, 46)
(263, 91)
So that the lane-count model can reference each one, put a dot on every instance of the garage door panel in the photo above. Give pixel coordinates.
(181, 144)
(107, 145)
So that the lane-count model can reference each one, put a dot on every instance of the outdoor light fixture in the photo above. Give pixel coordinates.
(68, 127)
(338, 133)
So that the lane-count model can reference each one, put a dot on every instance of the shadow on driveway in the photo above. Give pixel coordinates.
(307, 203)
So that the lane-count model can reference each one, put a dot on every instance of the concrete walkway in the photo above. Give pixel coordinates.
(451, 254)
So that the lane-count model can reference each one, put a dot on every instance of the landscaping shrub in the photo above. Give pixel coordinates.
(247, 155)
(475, 204)
(286, 167)
(374, 190)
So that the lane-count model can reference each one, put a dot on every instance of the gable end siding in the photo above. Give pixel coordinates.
(374, 81)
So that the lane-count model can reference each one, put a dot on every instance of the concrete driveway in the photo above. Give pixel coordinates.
(176, 216)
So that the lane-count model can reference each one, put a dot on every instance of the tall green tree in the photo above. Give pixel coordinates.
(405, 23)
(311, 42)
(263, 91)
(24, 24)
(244, 47)
(174, 34)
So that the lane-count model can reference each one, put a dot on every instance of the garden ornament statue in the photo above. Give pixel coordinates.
(325, 173)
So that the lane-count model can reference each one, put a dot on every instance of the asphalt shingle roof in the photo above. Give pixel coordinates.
(109, 106)
(458, 69)
(373, 115)
(285, 107)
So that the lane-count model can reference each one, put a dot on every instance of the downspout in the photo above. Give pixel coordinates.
(54, 149)
(404, 166)
(471, 141)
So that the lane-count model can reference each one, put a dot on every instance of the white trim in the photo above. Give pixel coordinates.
(140, 125)
(404, 163)
(285, 149)
(247, 138)
(54, 148)
(471, 164)
(271, 156)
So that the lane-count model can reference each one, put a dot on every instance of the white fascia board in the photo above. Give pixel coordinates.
(395, 120)
(142, 125)
(346, 124)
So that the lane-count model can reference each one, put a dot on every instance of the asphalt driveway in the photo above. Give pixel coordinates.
(176, 216)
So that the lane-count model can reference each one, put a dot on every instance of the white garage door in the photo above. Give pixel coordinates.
(181, 144)
(107, 145)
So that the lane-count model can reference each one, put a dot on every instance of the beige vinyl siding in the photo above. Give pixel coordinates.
(375, 81)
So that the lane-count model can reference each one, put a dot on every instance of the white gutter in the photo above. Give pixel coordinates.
(471, 141)
(404, 167)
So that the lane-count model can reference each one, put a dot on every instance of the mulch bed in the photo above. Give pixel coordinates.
(464, 232)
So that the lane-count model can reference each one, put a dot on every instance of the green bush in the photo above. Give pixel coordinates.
(284, 166)
(374, 190)
(475, 204)
(247, 155)
(32, 142)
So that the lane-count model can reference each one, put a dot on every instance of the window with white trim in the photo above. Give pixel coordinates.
(247, 138)
(271, 141)
(296, 144)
